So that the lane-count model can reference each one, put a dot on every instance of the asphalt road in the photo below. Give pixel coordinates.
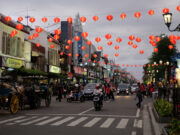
(119, 117)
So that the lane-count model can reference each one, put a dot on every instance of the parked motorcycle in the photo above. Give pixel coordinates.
(98, 103)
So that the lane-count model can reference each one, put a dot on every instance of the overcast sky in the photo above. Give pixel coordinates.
(143, 27)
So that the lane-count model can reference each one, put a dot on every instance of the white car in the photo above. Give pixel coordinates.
(134, 88)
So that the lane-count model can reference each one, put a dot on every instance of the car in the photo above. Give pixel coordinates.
(123, 88)
(89, 89)
(134, 87)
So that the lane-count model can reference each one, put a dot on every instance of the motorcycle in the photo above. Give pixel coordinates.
(98, 103)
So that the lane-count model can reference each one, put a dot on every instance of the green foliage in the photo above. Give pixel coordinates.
(163, 107)
(174, 127)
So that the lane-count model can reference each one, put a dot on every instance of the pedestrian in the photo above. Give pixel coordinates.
(59, 90)
(139, 96)
(108, 91)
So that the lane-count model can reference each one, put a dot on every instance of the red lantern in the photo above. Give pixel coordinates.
(30, 37)
(151, 12)
(14, 32)
(8, 18)
(84, 34)
(109, 17)
(105, 55)
(77, 55)
(118, 39)
(137, 15)
(118, 65)
(95, 18)
(88, 42)
(19, 26)
(127, 65)
(57, 20)
(116, 47)
(44, 19)
(170, 47)
(89, 60)
(141, 51)
(123, 65)
(20, 19)
(67, 47)
(144, 65)
(108, 36)
(154, 44)
(131, 65)
(158, 39)
(95, 55)
(97, 39)
(155, 49)
(134, 46)
(177, 37)
(77, 38)
(38, 45)
(83, 19)
(172, 37)
(138, 39)
(166, 10)
(123, 15)
(152, 37)
(178, 8)
(116, 54)
(173, 42)
(61, 53)
(99, 47)
(109, 43)
(57, 31)
(69, 54)
(32, 19)
(51, 46)
(56, 37)
(130, 42)
(50, 39)
(69, 19)
(69, 42)
(86, 55)
(35, 35)
(39, 29)
(83, 47)
(131, 37)
(139, 65)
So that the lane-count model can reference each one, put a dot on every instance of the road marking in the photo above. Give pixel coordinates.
(137, 113)
(8, 120)
(19, 121)
(107, 123)
(147, 129)
(76, 122)
(86, 111)
(36, 120)
(123, 123)
(48, 121)
(62, 121)
(92, 122)
(133, 133)
(137, 123)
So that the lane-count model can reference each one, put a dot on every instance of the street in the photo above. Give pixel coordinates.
(120, 116)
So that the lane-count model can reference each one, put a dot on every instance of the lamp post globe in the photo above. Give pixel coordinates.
(167, 19)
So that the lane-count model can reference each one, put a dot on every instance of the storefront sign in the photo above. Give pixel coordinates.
(54, 69)
(13, 63)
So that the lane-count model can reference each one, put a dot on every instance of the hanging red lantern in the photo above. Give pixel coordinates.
(130, 42)
(38, 44)
(97, 39)
(141, 51)
(44, 19)
(89, 60)
(170, 47)
(67, 47)
(32, 19)
(122, 65)
(56, 37)
(95, 18)
(83, 47)
(69, 42)
(151, 12)
(177, 37)
(69, 20)
(77, 55)
(50, 39)
(137, 15)
(131, 65)
(138, 39)
(152, 37)
(99, 47)
(84, 34)
(86, 55)
(123, 15)
(131, 37)
(35, 35)
(118, 39)
(154, 44)
(172, 37)
(127, 65)
(20, 19)
(77, 38)
(30, 37)
(88, 42)
(116, 47)
(144, 65)
(57, 20)
(8, 18)
(39, 29)
(178, 8)
(155, 49)
(151, 41)
(83, 19)
(105, 55)
(135, 46)
(116, 54)
(14, 32)
(158, 39)
(51, 46)
(139, 65)
(118, 65)
(95, 55)
(109, 43)
(108, 36)
(57, 31)
(19, 26)
(166, 10)
(61, 53)
(69, 54)
(109, 17)
(173, 42)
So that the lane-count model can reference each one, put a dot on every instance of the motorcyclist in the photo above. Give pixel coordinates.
(98, 91)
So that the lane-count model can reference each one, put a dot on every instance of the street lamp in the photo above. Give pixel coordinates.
(160, 62)
(168, 21)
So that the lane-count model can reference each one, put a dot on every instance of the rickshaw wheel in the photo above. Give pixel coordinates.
(14, 104)
(48, 100)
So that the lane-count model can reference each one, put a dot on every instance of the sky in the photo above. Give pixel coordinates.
(143, 27)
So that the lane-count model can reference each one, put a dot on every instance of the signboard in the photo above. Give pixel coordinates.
(13, 63)
(54, 69)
